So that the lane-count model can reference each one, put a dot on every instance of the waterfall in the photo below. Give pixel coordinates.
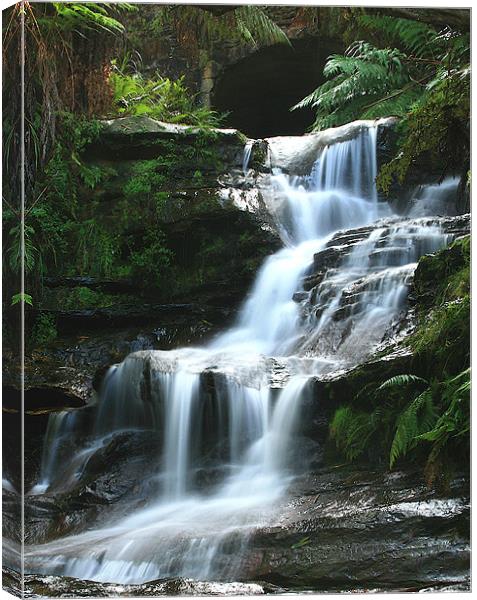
(247, 153)
(222, 391)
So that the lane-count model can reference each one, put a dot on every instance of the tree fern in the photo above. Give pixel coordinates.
(247, 24)
(256, 26)
(87, 15)
(362, 80)
(455, 421)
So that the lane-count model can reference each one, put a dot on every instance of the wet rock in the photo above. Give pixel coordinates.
(69, 587)
(112, 479)
(352, 529)
(339, 529)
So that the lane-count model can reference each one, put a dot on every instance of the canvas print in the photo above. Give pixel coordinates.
(236, 299)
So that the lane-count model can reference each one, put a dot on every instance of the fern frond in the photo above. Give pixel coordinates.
(351, 431)
(257, 27)
(400, 380)
(359, 79)
(416, 37)
(88, 15)
(418, 417)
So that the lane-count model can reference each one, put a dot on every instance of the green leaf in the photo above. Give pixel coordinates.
(400, 380)
(303, 542)
(22, 297)
(418, 417)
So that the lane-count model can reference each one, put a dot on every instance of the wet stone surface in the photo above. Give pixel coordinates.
(339, 529)
(365, 530)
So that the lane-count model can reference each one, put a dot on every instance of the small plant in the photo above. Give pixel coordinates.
(44, 330)
(150, 263)
(21, 297)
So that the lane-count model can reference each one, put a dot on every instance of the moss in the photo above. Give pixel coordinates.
(441, 341)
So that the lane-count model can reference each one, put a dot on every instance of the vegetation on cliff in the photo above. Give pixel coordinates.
(424, 416)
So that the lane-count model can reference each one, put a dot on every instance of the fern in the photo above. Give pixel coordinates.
(360, 80)
(369, 82)
(160, 98)
(256, 26)
(416, 37)
(248, 24)
(351, 431)
(86, 15)
(400, 380)
(418, 417)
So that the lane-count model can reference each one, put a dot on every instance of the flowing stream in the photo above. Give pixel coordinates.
(242, 427)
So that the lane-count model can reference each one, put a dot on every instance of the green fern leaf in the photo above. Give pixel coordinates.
(400, 380)
(418, 417)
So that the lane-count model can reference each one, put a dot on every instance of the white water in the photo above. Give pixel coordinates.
(203, 533)
(435, 199)
(247, 153)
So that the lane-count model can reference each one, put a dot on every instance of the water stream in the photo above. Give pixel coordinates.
(202, 532)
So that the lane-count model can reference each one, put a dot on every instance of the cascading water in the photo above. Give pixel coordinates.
(190, 531)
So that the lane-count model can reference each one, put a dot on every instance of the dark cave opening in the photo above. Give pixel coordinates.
(259, 90)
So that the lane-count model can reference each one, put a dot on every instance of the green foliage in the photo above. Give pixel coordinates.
(363, 84)
(417, 418)
(44, 330)
(410, 416)
(447, 106)
(416, 37)
(159, 98)
(96, 248)
(446, 334)
(254, 25)
(399, 380)
(151, 261)
(84, 297)
(411, 71)
(351, 430)
(442, 283)
(196, 28)
(15, 250)
(22, 297)
(453, 425)
(302, 542)
(70, 16)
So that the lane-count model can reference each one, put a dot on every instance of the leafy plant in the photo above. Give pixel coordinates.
(160, 98)
(351, 430)
(363, 84)
(150, 262)
(44, 330)
(418, 417)
(453, 425)
(197, 28)
(69, 16)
